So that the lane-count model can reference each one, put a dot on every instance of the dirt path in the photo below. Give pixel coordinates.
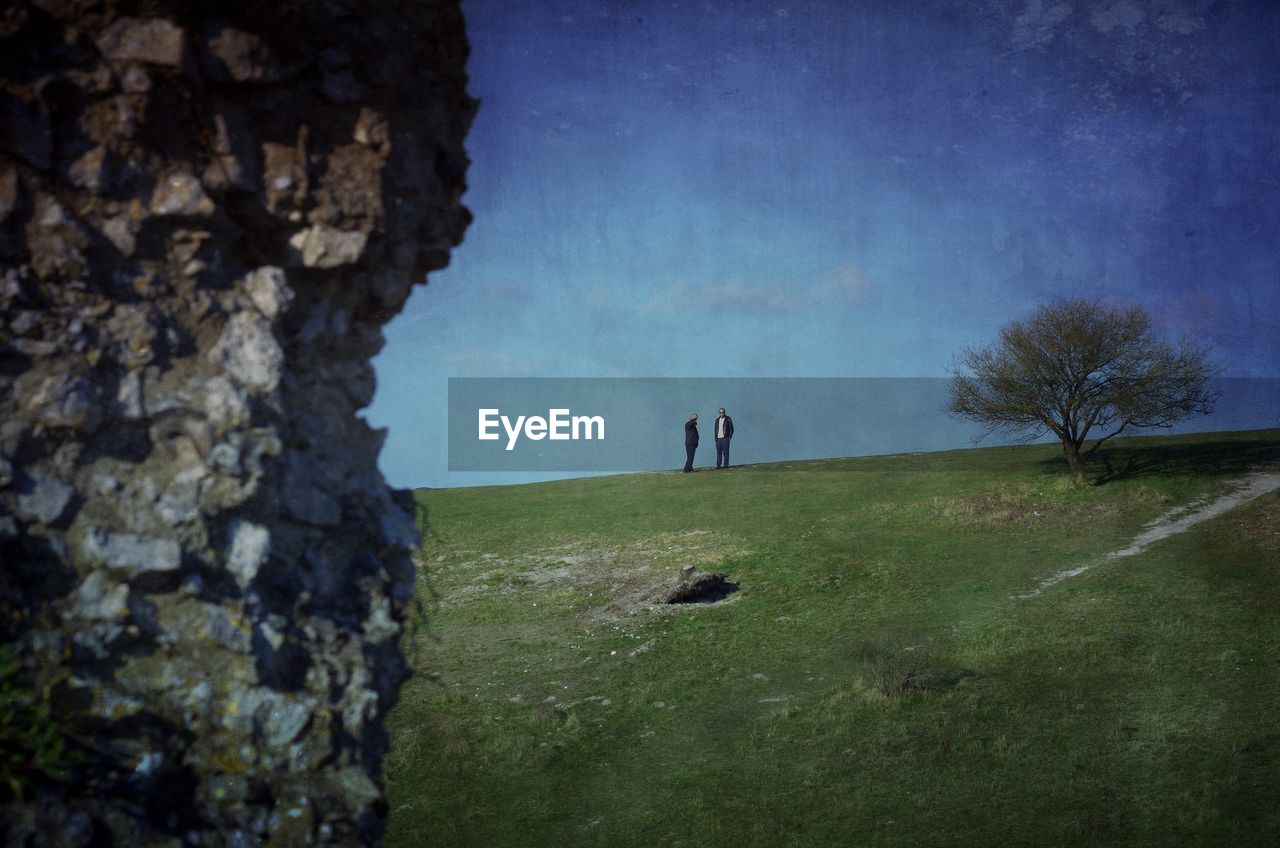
(1175, 521)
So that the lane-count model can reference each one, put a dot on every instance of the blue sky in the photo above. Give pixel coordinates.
(841, 189)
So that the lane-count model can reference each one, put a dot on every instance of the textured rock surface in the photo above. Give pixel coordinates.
(208, 211)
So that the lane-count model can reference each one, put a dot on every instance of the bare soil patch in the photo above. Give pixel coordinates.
(627, 578)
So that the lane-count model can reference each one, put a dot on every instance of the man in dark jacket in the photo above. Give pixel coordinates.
(724, 432)
(690, 441)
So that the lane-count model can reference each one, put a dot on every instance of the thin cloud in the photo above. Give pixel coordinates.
(846, 285)
(482, 362)
(840, 287)
(737, 296)
(506, 291)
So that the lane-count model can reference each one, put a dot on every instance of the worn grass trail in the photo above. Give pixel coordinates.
(874, 680)
(1180, 519)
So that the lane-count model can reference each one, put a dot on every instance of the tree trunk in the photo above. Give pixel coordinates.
(1071, 451)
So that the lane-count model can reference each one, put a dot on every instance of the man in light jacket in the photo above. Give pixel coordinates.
(724, 432)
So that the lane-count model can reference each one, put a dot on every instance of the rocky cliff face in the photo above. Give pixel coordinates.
(208, 211)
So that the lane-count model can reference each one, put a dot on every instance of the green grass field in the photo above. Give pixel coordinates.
(874, 681)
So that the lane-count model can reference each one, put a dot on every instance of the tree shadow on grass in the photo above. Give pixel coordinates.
(1216, 458)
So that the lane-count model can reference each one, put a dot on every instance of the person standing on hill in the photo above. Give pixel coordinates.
(690, 441)
(724, 432)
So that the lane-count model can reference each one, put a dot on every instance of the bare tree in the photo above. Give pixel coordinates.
(1078, 368)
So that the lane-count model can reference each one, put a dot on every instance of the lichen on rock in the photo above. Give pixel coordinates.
(208, 211)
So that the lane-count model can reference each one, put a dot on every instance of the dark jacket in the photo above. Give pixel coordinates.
(728, 427)
(691, 434)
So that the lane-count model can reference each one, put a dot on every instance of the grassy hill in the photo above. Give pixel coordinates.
(875, 680)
